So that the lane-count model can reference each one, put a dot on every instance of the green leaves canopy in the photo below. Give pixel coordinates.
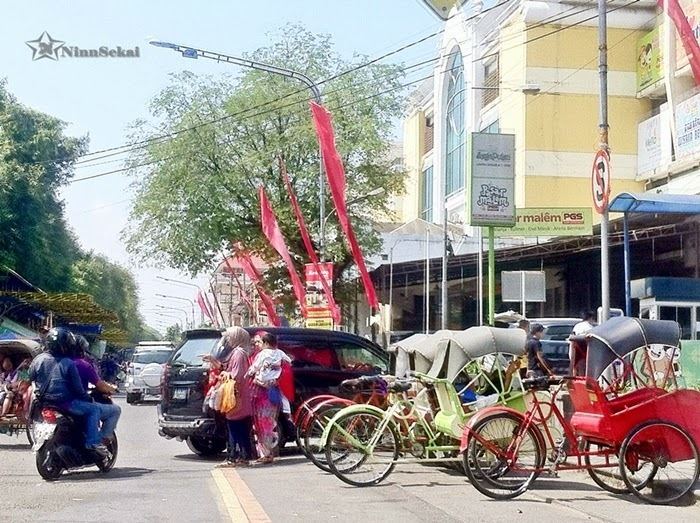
(198, 191)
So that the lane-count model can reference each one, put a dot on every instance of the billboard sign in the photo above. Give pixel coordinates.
(688, 126)
(654, 143)
(649, 60)
(550, 221)
(318, 309)
(492, 199)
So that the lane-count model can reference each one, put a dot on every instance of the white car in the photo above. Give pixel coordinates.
(145, 371)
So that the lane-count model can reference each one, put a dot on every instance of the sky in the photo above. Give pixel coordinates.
(101, 97)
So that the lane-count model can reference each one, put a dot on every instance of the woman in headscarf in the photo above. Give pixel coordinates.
(234, 358)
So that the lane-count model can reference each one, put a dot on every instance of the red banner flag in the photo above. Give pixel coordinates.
(336, 180)
(335, 310)
(252, 273)
(690, 43)
(203, 307)
(272, 231)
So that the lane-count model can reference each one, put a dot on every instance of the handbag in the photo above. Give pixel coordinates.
(227, 393)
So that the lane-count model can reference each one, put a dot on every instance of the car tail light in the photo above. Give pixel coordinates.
(164, 377)
(49, 415)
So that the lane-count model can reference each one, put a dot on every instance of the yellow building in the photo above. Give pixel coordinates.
(528, 69)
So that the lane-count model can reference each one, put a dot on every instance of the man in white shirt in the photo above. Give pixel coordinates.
(584, 326)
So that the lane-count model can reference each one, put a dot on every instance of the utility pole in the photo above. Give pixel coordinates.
(603, 130)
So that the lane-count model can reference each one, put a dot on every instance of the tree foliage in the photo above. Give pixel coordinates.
(114, 288)
(36, 161)
(199, 190)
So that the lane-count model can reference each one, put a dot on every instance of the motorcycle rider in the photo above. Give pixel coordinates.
(109, 412)
(57, 382)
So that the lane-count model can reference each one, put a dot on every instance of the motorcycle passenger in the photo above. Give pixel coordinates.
(57, 383)
(109, 412)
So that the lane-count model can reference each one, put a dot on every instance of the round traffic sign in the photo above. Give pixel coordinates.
(600, 181)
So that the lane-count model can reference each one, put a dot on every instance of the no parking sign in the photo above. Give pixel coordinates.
(600, 181)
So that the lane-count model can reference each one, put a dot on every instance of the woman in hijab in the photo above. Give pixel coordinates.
(236, 342)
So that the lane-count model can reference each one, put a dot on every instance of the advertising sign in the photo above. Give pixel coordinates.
(600, 181)
(319, 312)
(548, 221)
(688, 126)
(649, 59)
(691, 10)
(492, 200)
(654, 143)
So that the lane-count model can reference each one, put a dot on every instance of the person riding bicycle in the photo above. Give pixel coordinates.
(57, 382)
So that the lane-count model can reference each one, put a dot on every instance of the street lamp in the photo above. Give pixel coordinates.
(180, 282)
(372, 193)
(528, 89)
(191, 302)
(184, 311)
(191, 52)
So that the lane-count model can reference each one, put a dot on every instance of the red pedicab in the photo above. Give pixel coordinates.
(633, 428)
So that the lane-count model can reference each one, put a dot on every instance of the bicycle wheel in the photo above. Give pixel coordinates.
(361, 450)
(608, 476)
(314, 432)
(674, 454)
(498, 466)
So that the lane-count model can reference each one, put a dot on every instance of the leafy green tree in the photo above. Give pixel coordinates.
(173, 333)
(199, 190)
(36, 161)
(114, 288)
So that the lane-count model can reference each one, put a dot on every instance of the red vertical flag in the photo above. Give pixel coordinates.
(336, 180)
(690, 42)
(272, 231)
(252, 273)
(335, 310)
(203, 306)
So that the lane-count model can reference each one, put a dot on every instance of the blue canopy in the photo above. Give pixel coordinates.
(656, 203)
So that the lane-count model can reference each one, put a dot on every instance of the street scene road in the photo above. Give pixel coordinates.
(161, 480)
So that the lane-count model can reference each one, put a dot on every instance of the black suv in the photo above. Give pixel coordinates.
(321, 359)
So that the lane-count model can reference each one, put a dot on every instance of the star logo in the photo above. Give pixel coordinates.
(45, 47)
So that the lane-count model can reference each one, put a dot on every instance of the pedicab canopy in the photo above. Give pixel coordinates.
(20, 348)
(620, 336)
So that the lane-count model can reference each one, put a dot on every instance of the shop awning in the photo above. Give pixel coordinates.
(662, 203)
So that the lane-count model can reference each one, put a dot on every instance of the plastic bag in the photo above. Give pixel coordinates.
(227, 392)
(275, 396)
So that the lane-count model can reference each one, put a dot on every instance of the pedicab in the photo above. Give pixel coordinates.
(634, 428)
(457, 373)
(14, 396)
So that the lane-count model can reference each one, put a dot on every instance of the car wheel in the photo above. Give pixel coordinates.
(205, 447)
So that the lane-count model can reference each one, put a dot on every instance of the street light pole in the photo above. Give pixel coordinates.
(192, 52)
(184, 311)
(603, 129)
(190, 302)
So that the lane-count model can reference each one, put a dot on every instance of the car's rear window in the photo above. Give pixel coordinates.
(558, 332)
(152, 356)
(191, 352)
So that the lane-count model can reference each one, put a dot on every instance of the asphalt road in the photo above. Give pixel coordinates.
(161, 480)
(154, 479)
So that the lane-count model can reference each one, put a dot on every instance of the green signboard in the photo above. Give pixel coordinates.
(649, 60)
(550, 221)
(690, 363)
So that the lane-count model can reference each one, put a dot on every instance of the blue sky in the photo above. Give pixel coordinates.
(101, 97)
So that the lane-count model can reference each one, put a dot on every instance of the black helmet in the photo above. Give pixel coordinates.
(60, 341)
(82, 347)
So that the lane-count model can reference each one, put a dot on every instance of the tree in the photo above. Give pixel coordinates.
(114, 288)
(198, 191)
(36, 161)
(173, 333)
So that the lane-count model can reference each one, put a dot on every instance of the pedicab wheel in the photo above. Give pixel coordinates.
(108, 462)
(28, 432)
(314, 432)
(673, 454)
(46, 464)
(362, 449)
(610, 478)
(490, 463)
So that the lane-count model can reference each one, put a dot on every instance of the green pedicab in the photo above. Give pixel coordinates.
(426, 414)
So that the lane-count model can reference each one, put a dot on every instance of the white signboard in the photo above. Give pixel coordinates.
(492, 198)
(653, 144)
(688, 126)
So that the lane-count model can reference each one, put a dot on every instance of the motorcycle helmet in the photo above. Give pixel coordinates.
(82, 347)
(60, 341)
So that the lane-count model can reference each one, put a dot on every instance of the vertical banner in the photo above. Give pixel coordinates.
(273, 233)
(319, 307)
(492, 198)
(685, 33)
(249, 269)
(336, 181)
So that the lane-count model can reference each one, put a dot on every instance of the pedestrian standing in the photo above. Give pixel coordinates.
(536, 362)
(267, 398)
(587, 323)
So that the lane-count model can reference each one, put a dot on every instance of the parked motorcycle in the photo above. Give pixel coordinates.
(59, 442)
